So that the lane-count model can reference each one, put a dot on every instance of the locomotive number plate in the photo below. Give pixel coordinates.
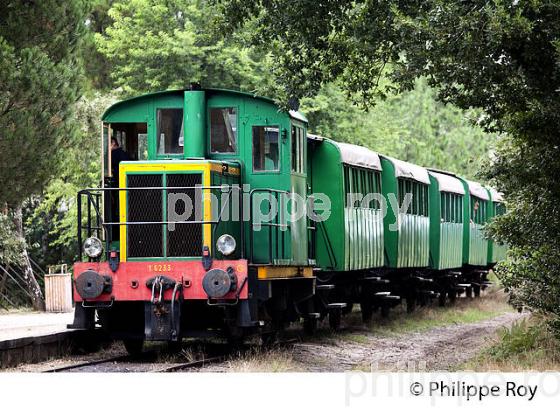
(159, 267)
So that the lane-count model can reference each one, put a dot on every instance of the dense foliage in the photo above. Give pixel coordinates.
(155, 45)
(40, 79)
(11, 246)
(52, 227)
(412, 126)
(39, 82)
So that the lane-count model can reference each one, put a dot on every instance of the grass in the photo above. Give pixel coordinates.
(355, 338)
(528, 345)
(22, 309)
(264, 360)
(463, 311)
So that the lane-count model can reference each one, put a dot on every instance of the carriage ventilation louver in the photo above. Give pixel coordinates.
(147, 241)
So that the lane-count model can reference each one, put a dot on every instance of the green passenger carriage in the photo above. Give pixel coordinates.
(446, 221)
(349, 175)
(476, 204)
(406, 230)
(475, 245)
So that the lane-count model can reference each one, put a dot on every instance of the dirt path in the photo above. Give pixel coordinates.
(438, 349)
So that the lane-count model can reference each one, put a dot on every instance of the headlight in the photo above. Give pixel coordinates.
(93, 247)
(226, 244)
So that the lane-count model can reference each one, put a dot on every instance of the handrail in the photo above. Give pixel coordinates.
(277, 224)
(330, 251)
(102, 226)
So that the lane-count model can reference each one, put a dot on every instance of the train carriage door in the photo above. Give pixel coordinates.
(266, 177)
(298, 188)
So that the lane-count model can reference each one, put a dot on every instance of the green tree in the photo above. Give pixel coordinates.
(51, 226)
(11, 248)
(500, 56)
(39, 82)
(412, 126)
(154, 45)
(97, 68)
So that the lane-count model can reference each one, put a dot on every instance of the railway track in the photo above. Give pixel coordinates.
(193, 364)
(147, 361)
(85, 364)
(114, 359)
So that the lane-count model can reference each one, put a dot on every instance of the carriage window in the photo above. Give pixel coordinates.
(170, 131)
(266, 152)
(223, 130)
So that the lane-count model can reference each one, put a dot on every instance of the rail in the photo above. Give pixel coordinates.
(277, 247)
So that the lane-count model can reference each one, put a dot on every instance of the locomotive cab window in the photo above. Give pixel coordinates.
(298, 150)
(127, 142)
(223, 130)
(266, 149)
(170, 138)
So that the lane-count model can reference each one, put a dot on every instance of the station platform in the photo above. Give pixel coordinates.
(30, 337)
(32, 324)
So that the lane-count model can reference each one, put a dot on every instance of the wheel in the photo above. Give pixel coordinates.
(441, 299)
(134, 346)
(410, 304)
(88, 344)
(469, 292)
(269, 338)
(334, 319)
(385, 311)
(310, 325)
(367, 311)
(234, 335)
(476, 291)
(348, 309)
(174, 346)
(452, 295)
